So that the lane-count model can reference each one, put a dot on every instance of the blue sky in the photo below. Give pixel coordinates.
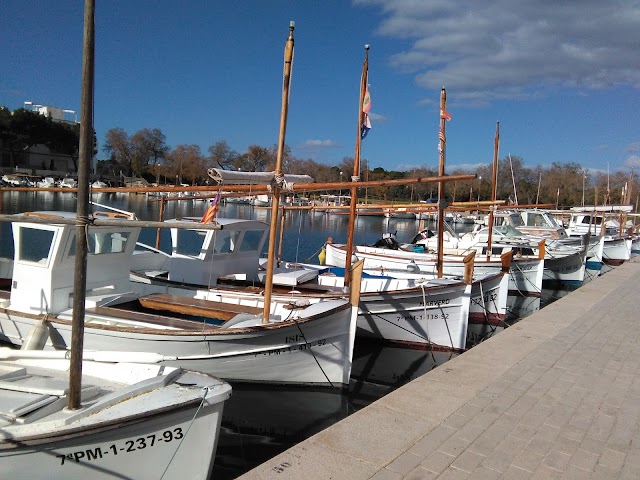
(562, 78)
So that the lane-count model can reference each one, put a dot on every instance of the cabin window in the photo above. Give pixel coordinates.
(251, 240)
(99, 243)
(225, 241)
(517, 221)
(189, 242)
(35, 245)
(535, 220)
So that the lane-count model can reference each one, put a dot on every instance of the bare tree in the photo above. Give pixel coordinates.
(118, 147)
(221, 155)
(148, 147)
(187, 164)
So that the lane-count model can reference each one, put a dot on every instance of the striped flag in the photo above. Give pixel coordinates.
(210, 213)
(446, 115)
(366, 103)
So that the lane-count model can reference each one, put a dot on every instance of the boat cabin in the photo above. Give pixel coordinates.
(539, 223)
(44, 263)
(202, 256)
(590, 219)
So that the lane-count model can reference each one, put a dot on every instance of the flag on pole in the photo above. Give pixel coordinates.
(446, 115)
(366, 126)
(366, 107)
(210, 213)
(366, 103)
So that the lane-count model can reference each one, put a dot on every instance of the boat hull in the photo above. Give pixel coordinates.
(313, 350)
(151, 434)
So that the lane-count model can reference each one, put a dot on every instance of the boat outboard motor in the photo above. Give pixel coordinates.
(389, 241)
(423, 235)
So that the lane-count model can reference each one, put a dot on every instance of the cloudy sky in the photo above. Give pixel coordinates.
(561, 78)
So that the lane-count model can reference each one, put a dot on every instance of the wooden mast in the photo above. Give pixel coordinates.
(494, 185)
(82, 209)
(441, 200)
(279, 177)
(356, 166)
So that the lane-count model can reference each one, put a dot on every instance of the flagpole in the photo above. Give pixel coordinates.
(441, 200)
(279, 177)
(494, 186)
(356, 162)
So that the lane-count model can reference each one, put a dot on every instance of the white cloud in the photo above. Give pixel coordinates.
(633, 147)
(632, 161)
(318, 144)
(377, 118)
(495, 49)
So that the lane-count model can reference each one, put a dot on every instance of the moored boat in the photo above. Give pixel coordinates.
(135, 420)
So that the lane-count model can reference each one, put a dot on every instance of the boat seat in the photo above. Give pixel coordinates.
(196, 306)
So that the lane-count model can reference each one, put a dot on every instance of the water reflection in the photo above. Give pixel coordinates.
(259, 422)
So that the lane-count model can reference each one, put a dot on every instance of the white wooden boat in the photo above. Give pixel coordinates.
(432, 317)
(617, 244)
(563, 263)
(525, 275)
(298, 344)
(135, 421)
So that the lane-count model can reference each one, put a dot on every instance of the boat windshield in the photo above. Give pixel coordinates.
(101, 243)
(189, 242)
(552, 221)
(251, 240)
(34, 245)
(508, 231)
(225, 241)
(535, 219)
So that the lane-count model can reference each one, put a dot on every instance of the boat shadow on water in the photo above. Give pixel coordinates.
(261, 421)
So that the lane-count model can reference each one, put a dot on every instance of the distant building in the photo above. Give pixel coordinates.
(41, 160)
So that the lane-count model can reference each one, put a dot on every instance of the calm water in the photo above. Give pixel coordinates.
(259, 422)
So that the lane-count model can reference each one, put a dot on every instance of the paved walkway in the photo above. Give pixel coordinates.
(556, 396)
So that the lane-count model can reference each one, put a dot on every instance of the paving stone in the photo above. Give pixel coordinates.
(484, 473)
(528, 460)
(385, 474)
(437, 462)
(468, 461)
(557, 460)
(420, 474)
(405, 463)
(612, 459)
(575, 473)
(453, 473)
(515, 473)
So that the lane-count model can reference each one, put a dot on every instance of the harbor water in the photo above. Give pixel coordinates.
(261, 421)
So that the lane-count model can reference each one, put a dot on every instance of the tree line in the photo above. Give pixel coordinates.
(146, 154)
